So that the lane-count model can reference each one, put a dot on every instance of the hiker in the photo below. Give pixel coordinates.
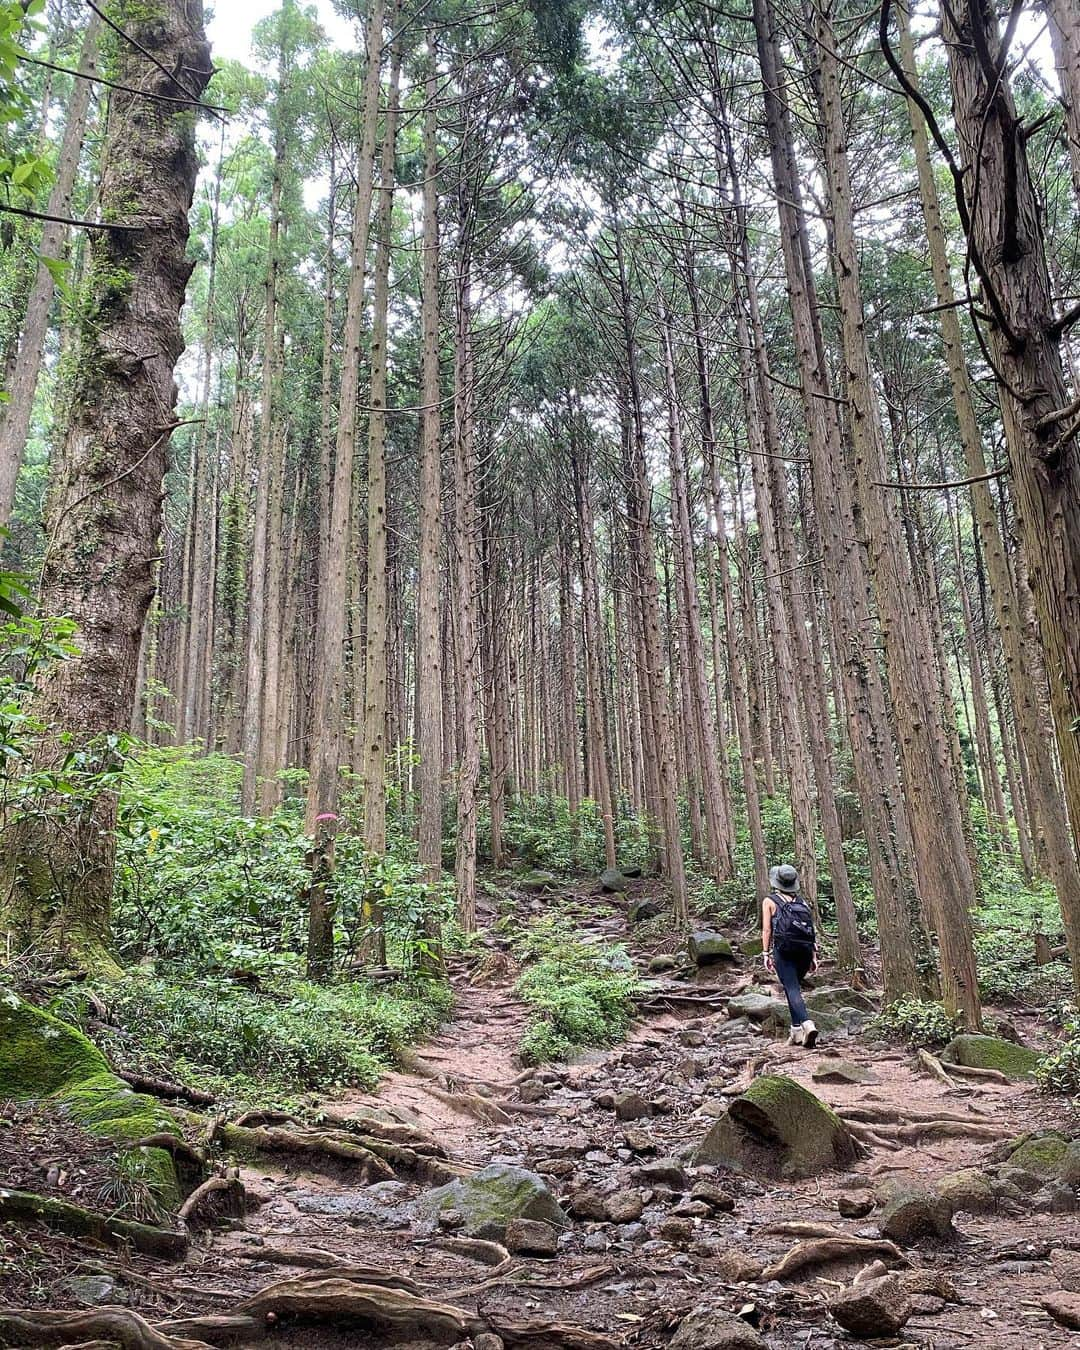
(789, 945)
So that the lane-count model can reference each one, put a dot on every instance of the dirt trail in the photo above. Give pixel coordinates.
(633, 1281)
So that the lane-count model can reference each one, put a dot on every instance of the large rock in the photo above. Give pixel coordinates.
(872, 1307)
(644, 907)
(612, 880)
(969, 1190)
(1064, 1309)
(991, 1052)
(756, 1004)
(912, 1213)
(844, 1071)
(778, 1128)
(835, 998)
(490, 1198)
(1049, 1156)
(715, 1329)
(40, 1057)
(538, 880)
(707, 948)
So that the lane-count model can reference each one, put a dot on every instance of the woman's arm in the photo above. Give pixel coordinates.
(767, 911)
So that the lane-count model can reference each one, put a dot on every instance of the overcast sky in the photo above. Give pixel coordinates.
(230, 28)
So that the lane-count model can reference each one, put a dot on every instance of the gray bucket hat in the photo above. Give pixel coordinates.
(784, 878)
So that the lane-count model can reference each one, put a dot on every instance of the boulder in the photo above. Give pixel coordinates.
(1048, 1156)
(715, 1329)
(913, 1212)
(538, 880)
(531, 1237)
(751, 946)
(756, 1004)
(844, 1071)
(643, 908)
(872, 1307)
(612, 881)
(707, 948)
(1064, 1309)
(968, 1190)
(835, 998)
(991, 1052)
(778, 1128)
(662, 1172)
(490, 1198)
(41, 1056)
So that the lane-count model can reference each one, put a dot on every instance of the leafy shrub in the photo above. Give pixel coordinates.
(922, 1023)
(1059, 1071)
(578, 994)
(295, 1035)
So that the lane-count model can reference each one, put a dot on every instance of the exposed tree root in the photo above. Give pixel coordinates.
(108, 1326)
(370, 1126)
(229, 1188)
(336, 1300)
(935, 1068)
(162, 1087)
(253, 1119)
(213, 1329)
(799, 1229)
(822, 1250)
(315, 1146)
(949, 1129)
(894, 1115)
(476, 1249)
(25, 1207)
(989, 1075)
(470, 1104)
(181, 1151)
(542, 1334)
(866, 1135)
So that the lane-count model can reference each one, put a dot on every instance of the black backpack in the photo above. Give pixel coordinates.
(793, 926)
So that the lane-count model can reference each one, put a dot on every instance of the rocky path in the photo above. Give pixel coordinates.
(983, 1242)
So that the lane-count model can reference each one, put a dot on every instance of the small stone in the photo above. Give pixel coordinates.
(872, 1308)
(844, 1071)
(531, 1237)
(676, 1230)
(451, 1218)
(663, 1172)
(931, 1282)
(605, 1100)
(588, 1205)
(659, 964)
(638, 1141)
(713, 1195)
(715, 1329)
(623, 1207)
(707, 948)
(856, 1206)
(595, 1242)
(1064, 1309)
(532, 1092)
(692, 1209)
(487, 1340)
(913, 1214)
(91, 1290)
(630, 1106)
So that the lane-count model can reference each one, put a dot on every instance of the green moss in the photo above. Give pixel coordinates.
(40, 1056)
(490, 1198)
(1049, 1155)
(991, 1052)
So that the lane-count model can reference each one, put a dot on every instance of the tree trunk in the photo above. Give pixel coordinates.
(104, 513)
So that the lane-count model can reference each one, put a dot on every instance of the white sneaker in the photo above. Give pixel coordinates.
(809, 1035)
(795, 1035)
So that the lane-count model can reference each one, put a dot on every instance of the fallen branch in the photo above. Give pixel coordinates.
(64, 1217)
(817, 1253)
(108, 1326)
(162, 1087)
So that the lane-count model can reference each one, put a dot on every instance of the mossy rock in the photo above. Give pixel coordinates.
(613, 881)
(707, 948)
(490, 1198)
(1050, 1156)
(751, 946)
(970, 1190)
(539, 880)
(41, 1056)
(836, 998)
(778, 1128)
(991, 1052)
(914, 1212)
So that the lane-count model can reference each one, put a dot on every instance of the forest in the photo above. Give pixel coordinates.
(487, 488)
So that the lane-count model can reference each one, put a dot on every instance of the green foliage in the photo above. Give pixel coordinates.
(1059, 1071)
(542, 831)
(23, 173)
(921, 1023)
(578, 994)
(290, 1035)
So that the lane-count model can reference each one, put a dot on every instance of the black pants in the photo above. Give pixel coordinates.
(790, 969)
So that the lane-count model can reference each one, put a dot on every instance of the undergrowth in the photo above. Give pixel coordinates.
(921, 1023)
(1059, 1071)
(290, 1036)
(578, 994)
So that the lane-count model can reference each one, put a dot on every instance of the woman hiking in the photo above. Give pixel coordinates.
(789, 945)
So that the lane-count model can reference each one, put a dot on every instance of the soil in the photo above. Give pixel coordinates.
(633, 1282)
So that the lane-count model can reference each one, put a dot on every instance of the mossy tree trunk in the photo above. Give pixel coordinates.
(104, 515)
